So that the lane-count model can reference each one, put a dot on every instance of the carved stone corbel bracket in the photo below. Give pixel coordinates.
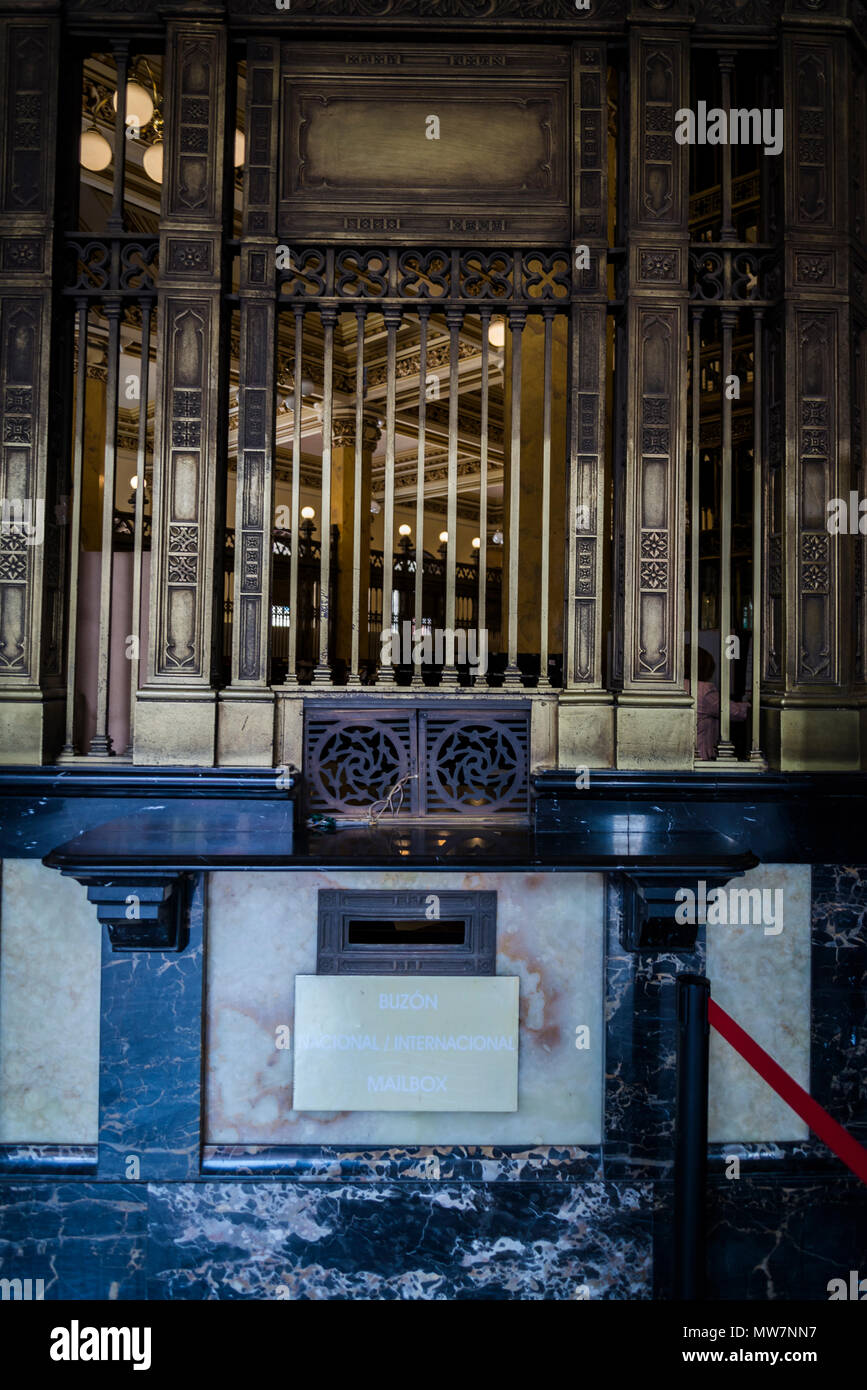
(651, 901)
(143, 912)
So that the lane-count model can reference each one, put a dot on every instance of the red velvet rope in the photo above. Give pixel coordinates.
(835, 1136)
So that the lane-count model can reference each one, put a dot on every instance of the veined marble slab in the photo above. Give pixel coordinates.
(262, 933)
(50, 942)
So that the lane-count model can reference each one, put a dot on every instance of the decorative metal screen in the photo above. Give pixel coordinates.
(344, 947)
(449, 761)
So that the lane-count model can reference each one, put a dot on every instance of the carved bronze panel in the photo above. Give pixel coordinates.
(443, 761)
(409, 143)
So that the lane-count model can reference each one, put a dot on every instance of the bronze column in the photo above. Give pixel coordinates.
(176, 708)
(654, 715)
(246, 708)
(31, 690)
(811, 714)
(586, 717)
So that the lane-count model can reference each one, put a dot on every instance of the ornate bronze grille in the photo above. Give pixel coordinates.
(449, 761)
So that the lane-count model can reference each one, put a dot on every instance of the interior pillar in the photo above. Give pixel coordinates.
(655, 726)
(31, 690)
(176, 707)
(586, 710)
(246, 708)
(811, 715)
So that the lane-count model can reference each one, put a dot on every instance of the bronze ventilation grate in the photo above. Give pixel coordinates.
(449, 761)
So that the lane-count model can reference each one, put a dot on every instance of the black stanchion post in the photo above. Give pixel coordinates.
(690, 1159)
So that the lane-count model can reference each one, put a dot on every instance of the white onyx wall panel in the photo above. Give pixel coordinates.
(262, 933)
(760, 974)
(49, 1008)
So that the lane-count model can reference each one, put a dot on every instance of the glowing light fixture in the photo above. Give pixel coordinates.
(240, 148)
(477, 542)
(497, 333)
(404, 530)
(95, 153)
(444, 537)
(308, 513)
(139, 103)
(152, 159)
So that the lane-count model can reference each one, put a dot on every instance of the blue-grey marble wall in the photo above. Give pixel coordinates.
(387, 1240)
(641, 1050)
(86, 1240)
(839, 993)
(150, 1083)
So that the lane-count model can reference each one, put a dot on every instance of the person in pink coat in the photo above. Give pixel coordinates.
(708, 706)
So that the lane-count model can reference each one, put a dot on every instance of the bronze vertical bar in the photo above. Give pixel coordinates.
(726, 67)
(100, 744)
(756, 755)
(322, 671)
(391, 317)
(423, 315)
(575, 520)
(695, 513)
(141, 454)
(480, 681)
(75, 529)
(115, 222)
(454, 319)
(295, 520)
(254, 507)
(517, 320)
(725, 747)
(354, 677)
(544, 682)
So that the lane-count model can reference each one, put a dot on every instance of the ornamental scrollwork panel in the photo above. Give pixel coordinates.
(353, 762)
(430, 274)
(477, 766)
(423, 761)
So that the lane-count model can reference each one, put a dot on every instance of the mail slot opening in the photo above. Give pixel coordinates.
(406, 931)
(391, 931)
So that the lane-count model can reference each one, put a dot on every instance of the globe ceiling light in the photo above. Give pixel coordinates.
(477, 542)
(444, 537)
(497, 333)
(95, 153)
(139, 103)
(152, 159)
(308, 513)
(497, 538)
(404, 530)
(240, 148)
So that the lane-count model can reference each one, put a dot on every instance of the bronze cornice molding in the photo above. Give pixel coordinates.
(34, 9)
(557, 17)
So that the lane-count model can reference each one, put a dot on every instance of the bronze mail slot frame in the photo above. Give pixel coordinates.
(337, 908)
